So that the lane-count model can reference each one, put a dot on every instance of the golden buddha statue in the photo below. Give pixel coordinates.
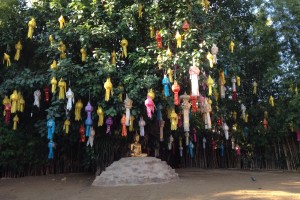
(136, 148)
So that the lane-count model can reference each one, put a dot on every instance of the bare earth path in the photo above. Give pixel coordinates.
(193, 184)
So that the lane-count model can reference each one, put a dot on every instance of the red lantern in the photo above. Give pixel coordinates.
(176, 89)
(185, 26)
(47, 93)
(234, 96)
(82, 133)
(7, 109)
(194, 103)
(219, 122)
(265, 123)
(158, 39)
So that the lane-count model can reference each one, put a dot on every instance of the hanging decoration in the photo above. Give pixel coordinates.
(214, 52)
(70, 97)
(222, 82)
(109, 122)
(179, 115)
(108, 89)
(50, 128)
(123, 123)
(21, 103)
(238, 81)
(225, 129)
(151, 28)
(180, 147)
(62, 48)
(169, 53)
(243, 109)
(31, 27)
(271, 101)
(185, 26)
(170, 75)
(170, 143)
(51, 146)
(254, 87)
(128, 106)
(204, 143)
(83, 54)
(178, 39)
(159, 61)
(124, 44)
(7, 111)
(176, 89)
(191, 149)
(120, 89)
(173, 120)
(62, 89)
(231, 46)
(14, 99)
(78, 107)
(187, 138)
(16, 121)
(186, 111)
(113, 60)
(161, 130)
(194, 103)
(238, 150)
(51, 39)
(140, 10)
(151, 94)
(53, 83)
(149, 107)
(66, 127)
(54, 65)
(166, 84)
(158, 40)
(100, 114)
(61, 21)
(159, 114)
(142, 125)
(205, 4)
(88, 122)
(234, 92)
(82, 133)
(194, 72)
(37, 98)
(211, 59)
(18, 48)
(131, 123)
(209, 83)
(91, 137)
(6, 58)
(206, 112)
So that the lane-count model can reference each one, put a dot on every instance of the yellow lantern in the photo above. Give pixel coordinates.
(6, 58)
(31, 27)
(100, 114)
(53, 83)
(209, 83)
(18, 48)
(108, 89)
(83, 54)
(124, 44)
(61, 21)
(231, 46)
(178, 39)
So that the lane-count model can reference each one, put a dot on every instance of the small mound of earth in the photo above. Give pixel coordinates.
(136, 171)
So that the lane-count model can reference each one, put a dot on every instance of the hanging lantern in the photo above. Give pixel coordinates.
(214, 52)
(206, 112)
(61, 21)
(53, 83)
(70, 97)
(7, 111)
(151, 94)
(265, 123)
(170, 143)
(243, 109)
(16, 121)
(124, 44)
(54, 65)
(271, 101)
(222, 82)
(161, 130)
(166, 83)
(204, 143)
(131, 123)
(128, 106)
(231, 46)
(158, 40)
(91, 138)
(140, 9)
(159, 115)
(238, 81)
(234, 92)
(31, 27)
(194, 76)
(232, 143)
(113, 60)
(66, 127)
(123, 123)
(62, 48)
(14, 97)
(50, 128)
(211, 59)
(159, 61)
(246, 118)
(51, 39)
(51, 146)
(100, 114)
(108, 89)
(83, 54)
(225, 129)
(169, 53)
(174, 120)
(149, 106)
(194, 103)
(185, 26)
(178, 39)
(82, 133)
(170, 74)
(47, 93)
(109, 122)
(21, 103)
(151, 28)
(88, 122)
(142, 125)
(62, 89)
(209, 83)
(180, 147)
(186, 111)
(37, 98)
(18, 48)
(6, 58)
(176, 89)
(78, 107)
(254, 87)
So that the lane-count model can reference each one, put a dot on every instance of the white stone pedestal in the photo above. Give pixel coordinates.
(136, 171)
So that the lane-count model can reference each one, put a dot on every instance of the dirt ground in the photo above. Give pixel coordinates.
(193, 184)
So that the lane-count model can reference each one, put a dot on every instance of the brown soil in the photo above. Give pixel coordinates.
(193, 184)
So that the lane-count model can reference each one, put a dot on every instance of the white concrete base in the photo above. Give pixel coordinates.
(136, 171)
